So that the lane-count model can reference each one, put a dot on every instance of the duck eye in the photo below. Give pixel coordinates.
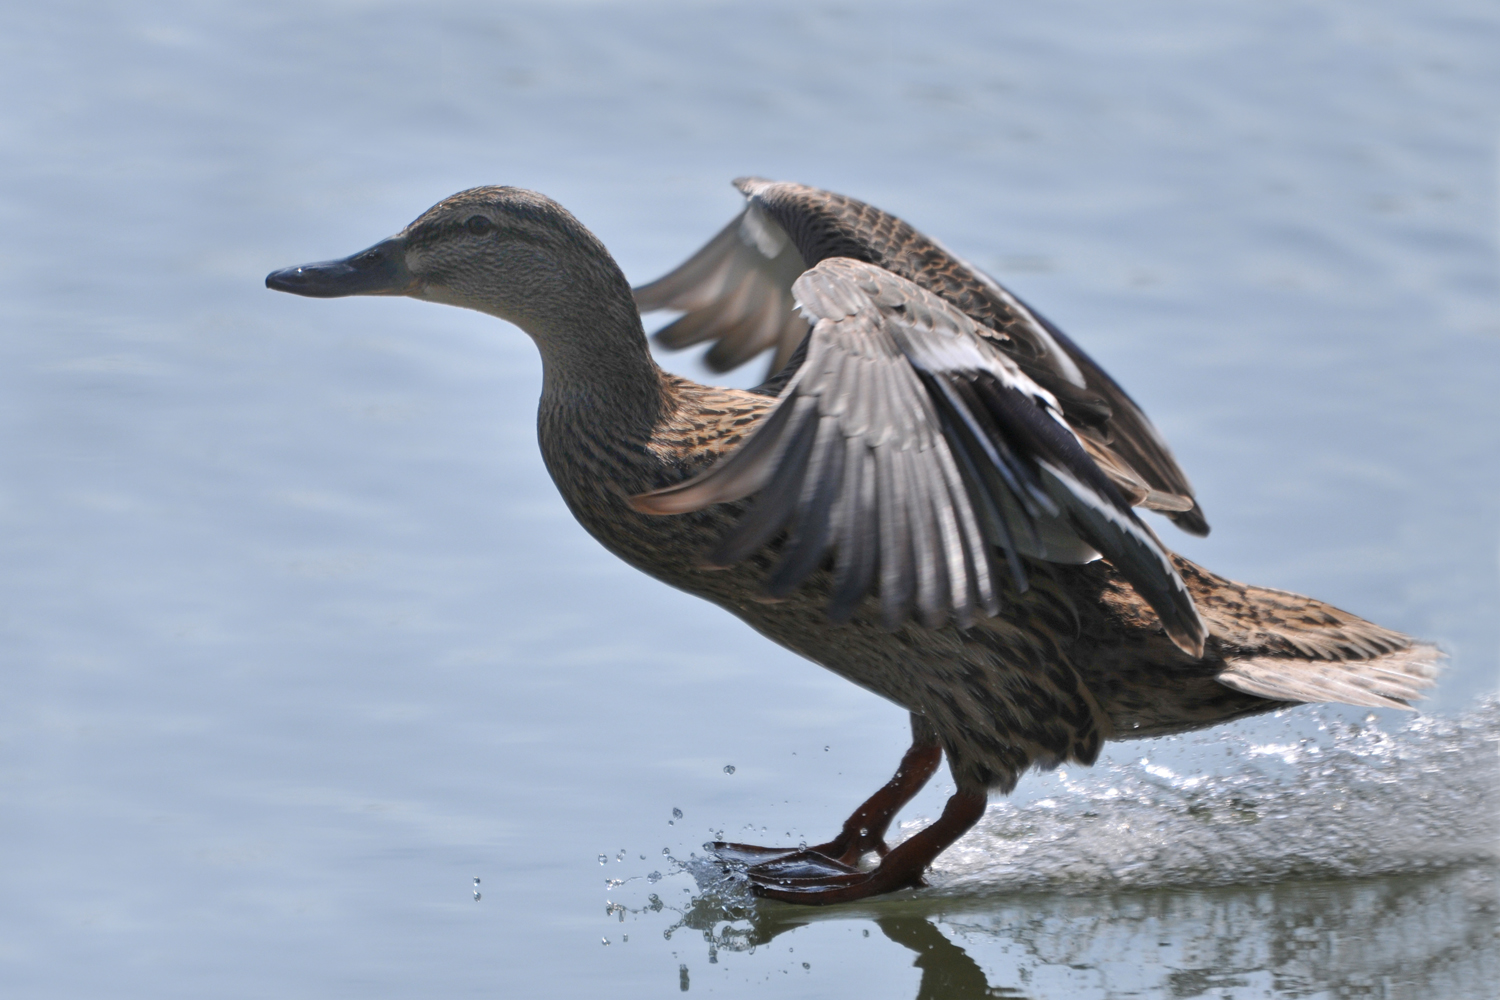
(478, 225)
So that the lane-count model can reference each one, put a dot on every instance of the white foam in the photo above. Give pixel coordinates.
(1352, 801)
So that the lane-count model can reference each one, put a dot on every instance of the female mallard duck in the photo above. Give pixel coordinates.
(934, 474)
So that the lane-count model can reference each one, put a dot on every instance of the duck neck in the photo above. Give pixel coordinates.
(603, 397)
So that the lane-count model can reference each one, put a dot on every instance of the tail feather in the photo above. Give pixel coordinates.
(1394, 680)
(1289, 647)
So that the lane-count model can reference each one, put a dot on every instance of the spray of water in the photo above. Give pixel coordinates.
(1352, 800)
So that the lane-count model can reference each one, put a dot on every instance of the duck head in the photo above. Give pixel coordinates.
(505, 251)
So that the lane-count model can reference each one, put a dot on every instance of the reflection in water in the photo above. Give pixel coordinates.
(1430, 936)
(1400, 936)
(948, 973)
(1359, 861)
(947, 970)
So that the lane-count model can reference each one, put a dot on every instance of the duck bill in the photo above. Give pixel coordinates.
(380, 270)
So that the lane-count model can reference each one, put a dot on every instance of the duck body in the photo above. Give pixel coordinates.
(1076, 659)
(916, 499)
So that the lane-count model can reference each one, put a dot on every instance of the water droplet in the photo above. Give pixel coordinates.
(676, 813)
(604, 859)
(643, 857)
(666, 852)
(728, 768)
(682, 978)
(825, 749)
(802, 845)
(625, 938)
(476, 888)
(605, 941)
(654, 877)
(864, 831)
(807, 965)
(867, 933)
(621, 855)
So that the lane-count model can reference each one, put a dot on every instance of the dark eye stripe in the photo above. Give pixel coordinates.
(430, 234)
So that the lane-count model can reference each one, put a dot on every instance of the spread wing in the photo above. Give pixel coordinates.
(919, 456)
(735, 291)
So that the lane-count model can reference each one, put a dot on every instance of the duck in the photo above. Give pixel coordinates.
(934, 494)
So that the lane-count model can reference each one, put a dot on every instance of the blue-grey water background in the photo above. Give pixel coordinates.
(299, 641)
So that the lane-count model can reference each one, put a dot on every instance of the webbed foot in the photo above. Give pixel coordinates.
(812, 877)
(829, 873)
(845, 850)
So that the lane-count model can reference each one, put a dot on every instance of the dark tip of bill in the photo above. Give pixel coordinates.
(286, 279)
(301, 280)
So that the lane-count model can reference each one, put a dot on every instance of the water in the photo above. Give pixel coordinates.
(1282, 873)
(300, 642)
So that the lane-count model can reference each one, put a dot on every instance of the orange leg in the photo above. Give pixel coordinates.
(806, 877)
(827, 873)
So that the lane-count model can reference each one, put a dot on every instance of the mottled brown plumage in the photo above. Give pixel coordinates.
(1005, 657)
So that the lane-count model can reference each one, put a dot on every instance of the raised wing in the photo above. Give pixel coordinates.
(920, 455)
(735, 291)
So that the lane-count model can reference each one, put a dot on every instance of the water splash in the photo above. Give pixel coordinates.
(1354, 856)
(1351, 801)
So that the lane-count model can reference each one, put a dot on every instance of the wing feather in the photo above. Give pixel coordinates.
(777, 500)
(927, 556)
(821, 483)
(898, 575)
(736, 291)
(857, 533)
